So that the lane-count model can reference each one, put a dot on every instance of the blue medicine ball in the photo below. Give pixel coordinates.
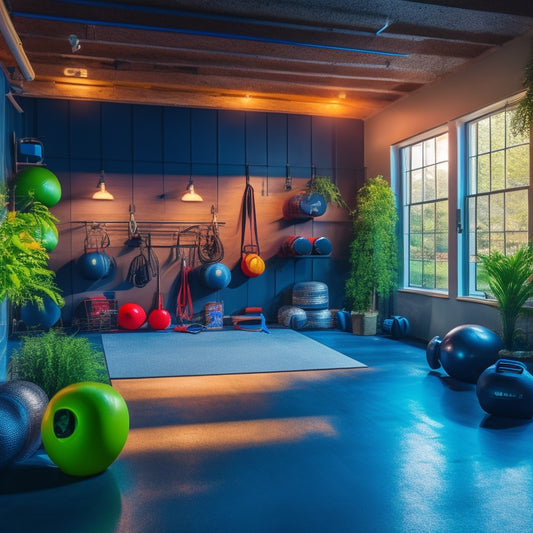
(216, 276)
(94, 265)
(43, 318)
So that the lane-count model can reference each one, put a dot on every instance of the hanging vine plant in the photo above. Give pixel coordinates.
(523, 116)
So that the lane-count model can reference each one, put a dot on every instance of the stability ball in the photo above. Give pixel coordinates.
(131, 316)
(216, 276)
(465, 351)
(506, 389)
(38, 183)
(94, 265)
(22, 406)
(41, 318)
(85, 427)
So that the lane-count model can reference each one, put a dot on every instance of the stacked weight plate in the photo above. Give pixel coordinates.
(313, 297)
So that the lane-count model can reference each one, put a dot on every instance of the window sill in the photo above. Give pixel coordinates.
(425, 292)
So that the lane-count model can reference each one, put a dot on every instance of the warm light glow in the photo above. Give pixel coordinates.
(102, 193)
(227, 435)
(190, 195)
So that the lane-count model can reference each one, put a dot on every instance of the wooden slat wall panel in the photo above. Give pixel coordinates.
(148, 154)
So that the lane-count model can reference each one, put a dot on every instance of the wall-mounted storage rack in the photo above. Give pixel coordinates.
(160, 234)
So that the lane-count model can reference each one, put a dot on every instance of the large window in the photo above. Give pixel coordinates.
(424, 171)
(496, 190)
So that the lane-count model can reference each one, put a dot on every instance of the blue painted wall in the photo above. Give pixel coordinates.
(148, 154)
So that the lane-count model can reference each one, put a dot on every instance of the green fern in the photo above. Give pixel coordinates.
(323, 186)
(510, 279)
(24, 273)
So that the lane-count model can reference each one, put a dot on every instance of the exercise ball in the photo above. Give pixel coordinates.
(14, 426)
(41, 318)
(215, 276)
(506, 389)
(131, 316)
(94, 265)
(85, 427)
(33, 400)
(465, 351)
(39, 184)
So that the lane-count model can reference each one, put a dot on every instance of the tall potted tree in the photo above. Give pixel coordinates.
(510, 280)
(373, 254)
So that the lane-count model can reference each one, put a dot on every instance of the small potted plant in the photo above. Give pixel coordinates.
(373, 254)
(323, 186)
(510, 281)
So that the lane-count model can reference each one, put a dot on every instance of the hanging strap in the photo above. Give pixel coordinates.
(248, 218)
(184, 307)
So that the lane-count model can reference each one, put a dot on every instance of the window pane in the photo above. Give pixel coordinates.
(429, 152)
(497, 131)
(496, 208)
(428, 221)
(442, 148)
(497, 171)
(429, 183)
(416, 186)
(415, 219)
(483, 173)
(416, 156)
(518, 166)
(516, 205)
(483, 136)
(442, 180)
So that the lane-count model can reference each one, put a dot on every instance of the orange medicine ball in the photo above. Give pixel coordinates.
(252, 265)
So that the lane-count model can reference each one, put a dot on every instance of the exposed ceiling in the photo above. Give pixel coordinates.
(347, 58)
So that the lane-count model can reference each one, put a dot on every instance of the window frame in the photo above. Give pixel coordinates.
(466, 269)
(402, 191)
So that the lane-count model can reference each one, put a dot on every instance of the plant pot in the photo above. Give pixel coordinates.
(364, 323)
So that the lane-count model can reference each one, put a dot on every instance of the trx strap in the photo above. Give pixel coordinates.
(248, 217)
(184, 308)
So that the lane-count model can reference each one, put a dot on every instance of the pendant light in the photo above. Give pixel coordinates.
(190, 195)
(102, 193)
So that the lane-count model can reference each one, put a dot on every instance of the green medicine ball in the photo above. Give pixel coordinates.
(38, 183)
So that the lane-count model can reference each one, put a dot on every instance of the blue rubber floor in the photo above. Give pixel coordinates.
(395, 447)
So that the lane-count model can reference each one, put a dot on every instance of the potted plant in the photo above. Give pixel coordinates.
(323, 186)
(373, 254)
(510, 280)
